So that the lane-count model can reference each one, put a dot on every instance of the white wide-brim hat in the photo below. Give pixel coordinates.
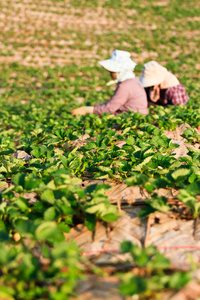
(153, 73)
(119, 61)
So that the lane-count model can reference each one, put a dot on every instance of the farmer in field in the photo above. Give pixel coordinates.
(129, 93)
(161, 86)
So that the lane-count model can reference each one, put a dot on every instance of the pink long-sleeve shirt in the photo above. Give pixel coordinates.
(129, 95)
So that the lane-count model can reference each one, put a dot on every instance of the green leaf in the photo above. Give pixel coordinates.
(46, 252)
(35, 153)
(126, 246)
(4, 236)
(134, 286)
(51, 214)
(179, 279)
(190, 200)
(104, 169)
(194, 187)
(2, 183)
(2, 226)
(192, 177)
(51, 185)
(158, 203)
(159, 262)
(19, 179)
(6, 291)
(25, 227)
(180, 174)
(130, 140)
(22, 204)
(90, 146)
(90, 222)
(109, 217)
(137, 179)
(48, 231)
(145, 211)
(5, 296)
(149, 187)
(145, 161)
(96, 208)
(48, 196)
(63, 227)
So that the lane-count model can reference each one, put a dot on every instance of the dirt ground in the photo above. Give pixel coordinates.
(46, 33)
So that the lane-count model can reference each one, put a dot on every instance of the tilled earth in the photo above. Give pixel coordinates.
(50, 33)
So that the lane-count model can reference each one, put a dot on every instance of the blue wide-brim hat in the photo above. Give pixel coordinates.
(119, 61)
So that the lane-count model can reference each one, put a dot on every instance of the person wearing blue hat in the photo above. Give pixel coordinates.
(129, 93)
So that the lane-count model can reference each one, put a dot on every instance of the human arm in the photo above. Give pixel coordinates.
(157, 96)
(83, 110)
(154, 93)
(116, 102)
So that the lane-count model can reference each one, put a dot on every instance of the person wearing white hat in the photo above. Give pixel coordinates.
(129, 93)
(161, 86)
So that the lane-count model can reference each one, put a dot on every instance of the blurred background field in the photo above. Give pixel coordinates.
(56, 44)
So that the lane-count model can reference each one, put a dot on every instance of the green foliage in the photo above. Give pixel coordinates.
(154, 204)
(156, 277)
(41, 199)
(191, 135)
(39, 275)
(100, 206)
(188, 197)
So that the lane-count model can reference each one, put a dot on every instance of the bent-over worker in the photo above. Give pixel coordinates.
(161, 86)
(129, 93)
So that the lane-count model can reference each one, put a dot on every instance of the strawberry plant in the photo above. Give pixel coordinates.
(191, 135)
(155, 268)
(188, 197)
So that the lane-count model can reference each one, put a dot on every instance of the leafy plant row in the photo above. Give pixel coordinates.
(41, 192)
